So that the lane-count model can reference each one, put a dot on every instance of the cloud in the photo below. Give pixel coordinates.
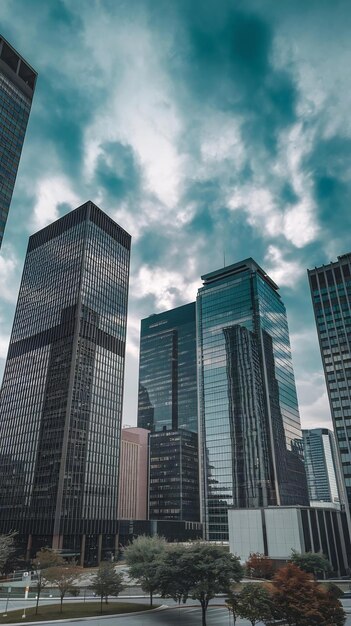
(52, 192)
(313, 399)
(168, 288)
(9, 274)
(284, 273)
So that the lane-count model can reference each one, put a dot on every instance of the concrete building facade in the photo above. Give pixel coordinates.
(133, 474)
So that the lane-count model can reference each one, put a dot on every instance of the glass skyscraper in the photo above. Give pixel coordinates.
(250, 436)
(61, 397)
(168, 408)
(167, 370)
(322, 466)
(331, 296)
(17, 84)
(174, 476)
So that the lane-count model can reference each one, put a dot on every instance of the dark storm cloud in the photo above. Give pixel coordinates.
(117, 171)
(330, 167)
(225, 60)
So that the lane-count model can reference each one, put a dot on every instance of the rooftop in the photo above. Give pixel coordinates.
(237, 268)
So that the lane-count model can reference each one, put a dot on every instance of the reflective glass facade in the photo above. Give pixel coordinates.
(61, 398)
(331, 296)
(168, 408)
(17, 84)
(250, 434)
(174, 476)
(322, 466)
(167, 371)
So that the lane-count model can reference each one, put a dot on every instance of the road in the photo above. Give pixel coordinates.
(173, 616)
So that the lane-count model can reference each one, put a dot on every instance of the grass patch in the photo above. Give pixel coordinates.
(72, 610)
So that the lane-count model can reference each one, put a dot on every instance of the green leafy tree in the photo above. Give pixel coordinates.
(7, 549)
(232, 604)
(301, 601)
(259, 566)
(144, 557)
(45, 558)
(312, 563)
(107, 582)
(64, 579)
(255, 603)
(172, 583)
(209, 570)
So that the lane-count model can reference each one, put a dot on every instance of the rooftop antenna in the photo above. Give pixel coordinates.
(223, 257)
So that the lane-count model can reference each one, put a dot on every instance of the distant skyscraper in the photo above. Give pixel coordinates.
(167, 370)
(168, 408)
(174, 476)
(331, 296)
(133, 474)
(322, 466)
(61, 398)
(17, 84)
(250, 434)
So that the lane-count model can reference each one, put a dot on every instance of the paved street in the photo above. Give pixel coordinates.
(186, 616)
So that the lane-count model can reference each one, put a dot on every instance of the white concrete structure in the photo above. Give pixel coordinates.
(276, 531)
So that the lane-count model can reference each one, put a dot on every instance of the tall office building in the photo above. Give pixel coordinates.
(322, 467)
(133, 474)
(250, 434)
(61, 397)
(331, 296)
(17, 84)
(168, 408)
(167, 370)
(174, 476)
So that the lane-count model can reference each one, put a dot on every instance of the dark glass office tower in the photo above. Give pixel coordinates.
(61, 398)
(174, 476)
(331, 296)
(250, 435)
(17, 84)
(167, 370)
(168, 408)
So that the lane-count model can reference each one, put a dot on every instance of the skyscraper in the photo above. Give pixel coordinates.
(168, 408)
(250, 434)
(133, 473)
(167, 370)
(322, 466)
(331, 297)
(174, 476)
(61, 397)
(17, 84)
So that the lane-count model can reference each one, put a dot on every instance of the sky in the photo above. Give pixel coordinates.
(208, 129)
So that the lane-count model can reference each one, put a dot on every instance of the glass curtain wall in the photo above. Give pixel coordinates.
(249, 419)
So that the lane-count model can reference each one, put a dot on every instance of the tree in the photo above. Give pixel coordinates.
(312, 563)
(259, 566)
(7, 549)
(172, 583)
(208, 570)
(301, 601)
(144, 557)
(45, 558)
(63, 578)
(232, 604)
(330, 607)
(107, 582)
(255, 603)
